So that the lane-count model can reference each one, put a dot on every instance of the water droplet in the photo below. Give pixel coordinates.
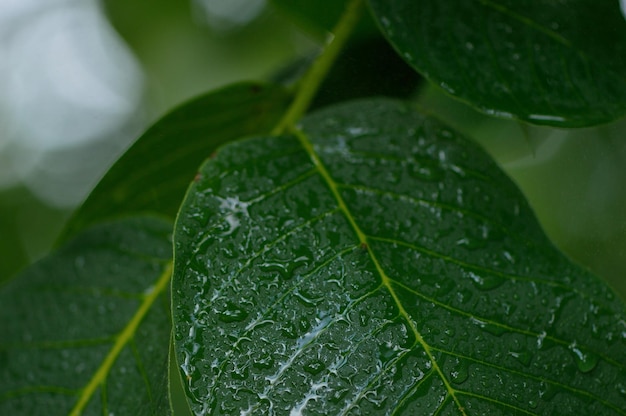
(274, 268)
(485, 281)
(492, 328)
(232, 313)
(523, 357)
(289, 330)
(547, 391)
(460, 372)
(314, 367)
(338, 395)
(425, 170)
(546, 117)
(471, 243)
(585, 360)
(540, 339)
(264, 362)
(364, 318)
(305, 299)
(446, 87)
(240, 373)
(386, 351)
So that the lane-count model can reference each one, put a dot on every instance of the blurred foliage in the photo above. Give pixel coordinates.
(23, 215)
(183, 57)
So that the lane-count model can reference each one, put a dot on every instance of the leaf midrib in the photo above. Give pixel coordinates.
(386, 281)
(122, 340)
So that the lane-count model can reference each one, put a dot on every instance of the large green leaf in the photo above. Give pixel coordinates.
(155, 172)
(560, 63)
(86, 330)
(378, 263)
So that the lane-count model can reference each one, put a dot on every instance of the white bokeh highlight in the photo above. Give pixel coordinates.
(66, 80)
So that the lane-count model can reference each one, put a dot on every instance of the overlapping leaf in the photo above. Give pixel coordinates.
(387, 75)
(377, 263)
(560, 63)
(86, 330)
(154, 173)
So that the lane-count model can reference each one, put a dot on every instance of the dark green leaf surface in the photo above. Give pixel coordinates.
(378, 263)
(560, 63)
(86, 330)
(155, 172)
(356, 75)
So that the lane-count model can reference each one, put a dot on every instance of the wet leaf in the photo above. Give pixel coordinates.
(86, 330)
(560, 63)
(379, 263)
(153, 175)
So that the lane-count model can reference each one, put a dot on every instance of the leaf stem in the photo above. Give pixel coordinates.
(314, 77)
(126, 336)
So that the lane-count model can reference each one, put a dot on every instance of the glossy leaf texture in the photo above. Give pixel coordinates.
(86, 329)
(376, 262)
(559, 63)
(153, 175)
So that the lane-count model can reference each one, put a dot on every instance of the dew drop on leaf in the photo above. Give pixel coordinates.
(232, 313)
(547, 391)
(460, 372)
(485, 281)
(523, 357)
(314, 367)
(585, 360)
(493, 329)
(265, 362)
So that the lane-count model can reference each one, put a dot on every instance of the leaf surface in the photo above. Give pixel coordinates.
(378, 263)
(153, 175)
(86, 330)
(387, 75)
(546, 62)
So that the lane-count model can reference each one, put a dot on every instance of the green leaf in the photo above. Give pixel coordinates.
(387, 75)
(546, 62)
(86, 329)
(177, 397)
(155, 172)
(378, 263)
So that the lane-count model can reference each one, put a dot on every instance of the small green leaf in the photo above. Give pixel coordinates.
(155, 172)
(86, 329)
(376, 262)
(560, 63)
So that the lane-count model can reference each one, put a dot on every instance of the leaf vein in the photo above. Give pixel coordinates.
(307, 145)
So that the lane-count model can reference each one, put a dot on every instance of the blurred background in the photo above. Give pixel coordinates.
(79, 80)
